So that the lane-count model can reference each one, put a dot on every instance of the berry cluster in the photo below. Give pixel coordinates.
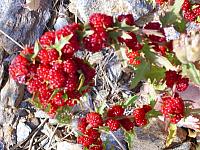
(115, 119)
(190, 10)
(173, 78)
(53, 75)
(88, 126)
(172, 108)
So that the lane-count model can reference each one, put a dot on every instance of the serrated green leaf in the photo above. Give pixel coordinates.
(171, 134)
(129, 137)
(153, 113)
(156, 73)
(130, 101)
(190, 71)
(169, 18)
(36, 49)
(140, 72)
(59, 44)
(36, 102)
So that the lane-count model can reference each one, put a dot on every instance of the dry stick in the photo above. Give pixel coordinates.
(51, 138)
(38, 129)
(120, 144)
(12, 39)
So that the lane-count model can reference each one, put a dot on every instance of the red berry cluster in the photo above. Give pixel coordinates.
(115, 119)
(53, 75)
(140, 115)
(173, 78)
(172, 108)
(190, 10)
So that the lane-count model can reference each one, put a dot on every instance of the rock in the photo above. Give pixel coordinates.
(184, 146)
(22, 113)
(68, 146)
(21, 24)
(11, 94)
(23, 131)
(41, 114)
(153, 136)
(84, 8)
(1, 146)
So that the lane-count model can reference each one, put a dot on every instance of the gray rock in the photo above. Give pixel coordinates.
(11, 94)
(84, 8)
(23, 131)
(184, 146)
(21, 24)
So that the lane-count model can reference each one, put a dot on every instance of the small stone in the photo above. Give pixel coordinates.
(23, 131)
(22, 113)
(68, 146)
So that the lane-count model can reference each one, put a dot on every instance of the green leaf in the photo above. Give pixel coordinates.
(153, 113)
(65, 96)
(100, 109)
(190, 71)
(59, 44)
(156, 73)
(87, 33)
(48, 107)
(169, 18)
(180, 25)
(171, 134)
(125, 36)
(36, 49)
(129, 137)
(142, 69)
(130, 101)
(36, 102)
(63, 115)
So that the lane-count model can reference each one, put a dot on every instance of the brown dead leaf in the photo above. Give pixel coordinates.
(32, 5)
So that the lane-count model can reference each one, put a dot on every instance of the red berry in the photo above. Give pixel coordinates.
(100, 20)
(147, 108)
(82, 124)
(115, 111)
(92, 133)
(56, 78)
(34, 84)
(96, 147)
(139, 115)
(71, 102)
(70, 66)
(73, 45)
(47, 39)
(129, 20)
(186, 5)
(196, 11)
(127, 124)
(71, 83)
(18, 69)
(94, 119)
(27, 51)
(189, 15)
(85, 141)
(182, 84)
(44, 94)
(172, 108)
(97, 41)
(113, 124)
(58, 99)
(48, 56)
(43, 72)
(171, 78)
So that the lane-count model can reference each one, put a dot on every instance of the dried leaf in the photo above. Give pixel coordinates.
(32, 5)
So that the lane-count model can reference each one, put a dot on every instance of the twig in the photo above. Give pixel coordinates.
(37, 130)
(51, 138)
(120, 144)
(12, 39)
